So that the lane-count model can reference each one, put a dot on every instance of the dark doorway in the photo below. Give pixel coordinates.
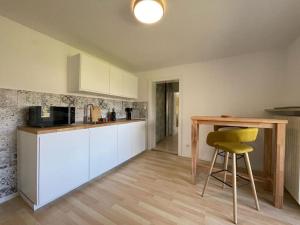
(167, 110)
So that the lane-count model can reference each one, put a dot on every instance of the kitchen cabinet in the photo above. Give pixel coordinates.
(55, 163)
(52, 164)
(63, 163)
(116, 81)
(103, 150)
(124, 142)
(138, 137)
(131, 140)
(130, 85)
(89, 74)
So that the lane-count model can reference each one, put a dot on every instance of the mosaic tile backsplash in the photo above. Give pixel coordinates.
(13, 113)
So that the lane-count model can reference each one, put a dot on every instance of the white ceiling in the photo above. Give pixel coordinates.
(191, 30)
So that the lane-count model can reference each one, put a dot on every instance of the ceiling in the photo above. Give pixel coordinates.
(190, 31)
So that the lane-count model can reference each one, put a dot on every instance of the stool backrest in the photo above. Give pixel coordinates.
(233, 135)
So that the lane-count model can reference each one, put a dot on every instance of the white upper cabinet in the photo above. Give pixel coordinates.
(90, 74)
(93, 75)
(116, 81)
(130, 85)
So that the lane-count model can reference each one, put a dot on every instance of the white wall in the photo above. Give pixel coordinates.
(240, 86)
(32, 61)
(291, 95)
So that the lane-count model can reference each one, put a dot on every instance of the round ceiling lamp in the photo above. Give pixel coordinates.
(148, 11)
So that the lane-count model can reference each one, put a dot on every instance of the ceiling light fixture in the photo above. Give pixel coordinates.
(148, 11)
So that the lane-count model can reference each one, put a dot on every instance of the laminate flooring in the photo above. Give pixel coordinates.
(153, 188)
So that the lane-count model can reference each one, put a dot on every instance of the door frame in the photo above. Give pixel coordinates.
(152, 111)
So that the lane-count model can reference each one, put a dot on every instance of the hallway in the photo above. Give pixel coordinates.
(168, 144)
(167, 117)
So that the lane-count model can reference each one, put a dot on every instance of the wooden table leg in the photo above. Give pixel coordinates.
(195, 151)
(268, 149)
(278, 181)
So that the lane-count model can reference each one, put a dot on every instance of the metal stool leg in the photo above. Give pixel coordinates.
(234, 190)
(225, 167)
(210, 170)
(252, 180)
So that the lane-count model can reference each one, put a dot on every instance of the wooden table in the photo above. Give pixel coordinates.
(273, 173)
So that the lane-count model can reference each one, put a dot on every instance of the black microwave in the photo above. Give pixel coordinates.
(39, 116)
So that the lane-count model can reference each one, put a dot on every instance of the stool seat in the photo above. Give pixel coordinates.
(234, 147)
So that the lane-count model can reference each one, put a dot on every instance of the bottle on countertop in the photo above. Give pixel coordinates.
(113, 115)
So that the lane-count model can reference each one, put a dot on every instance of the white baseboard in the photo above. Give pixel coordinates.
(9, 197)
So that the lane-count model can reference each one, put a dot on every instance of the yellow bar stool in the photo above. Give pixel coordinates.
(223, 154)
(232, 142)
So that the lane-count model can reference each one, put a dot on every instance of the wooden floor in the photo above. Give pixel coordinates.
(168, 144)
(153, 188)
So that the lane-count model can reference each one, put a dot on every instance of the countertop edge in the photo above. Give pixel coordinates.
(47, 130)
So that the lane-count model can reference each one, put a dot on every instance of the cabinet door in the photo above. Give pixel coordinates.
(116, 81)
(94, 75)
(103, 150)
(63, 163)
(139, 136)
(125, 151)
(130, 85)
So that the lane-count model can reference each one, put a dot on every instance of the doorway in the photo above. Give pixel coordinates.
(167, 117)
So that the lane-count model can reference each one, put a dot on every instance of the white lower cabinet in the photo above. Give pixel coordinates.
(103, 150)
(63, 163)
(131, 140)
(139, 137)
(51, 165)
(124, 142)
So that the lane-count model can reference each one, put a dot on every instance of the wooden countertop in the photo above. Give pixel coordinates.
(46, 130)
(238, 119)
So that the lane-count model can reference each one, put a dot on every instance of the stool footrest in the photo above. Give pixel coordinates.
(229, 185)
(223, 154)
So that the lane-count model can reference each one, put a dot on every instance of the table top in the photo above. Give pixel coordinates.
(238, 119)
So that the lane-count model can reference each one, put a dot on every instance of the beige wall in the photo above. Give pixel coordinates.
(241, 86)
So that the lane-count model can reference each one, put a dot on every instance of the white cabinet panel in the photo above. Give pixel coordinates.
(103, 150)
(94, 75)
(131, 140)
(63, 163)
(50, 165)
(116, 81)
(139, 136)
(125, 151)
(90, 74)
(130, 85)
(27, 165)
